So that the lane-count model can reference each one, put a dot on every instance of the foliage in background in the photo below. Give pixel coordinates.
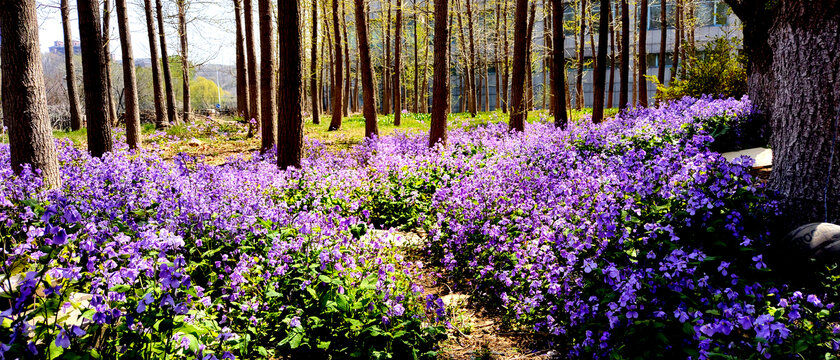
(718, 70)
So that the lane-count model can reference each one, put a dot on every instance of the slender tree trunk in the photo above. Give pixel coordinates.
(338, 83)
(643, 15)
(313, 66)
(371, 128)
(72, 90)
(106, 43)
(547, 55)
(663, 37)
(160, 109)
(95, 78)
(425, 86)
(242, 94)
(506, 74)
(345, 104)
(473, 100)
(253, 75)
(440, 82)
(466, 91)
(397, 56)
(579, 100)
(497, 61)
(416, 63)
(30, 133)
(611, 81)
(518, 112)
(624, 73)
(386, 68)
(185, 61)
(290, 123)
(601, 64)
(559, 67)
(167, 74)
(132, 110)
(677, 40)
(529, 71)
(268, 85)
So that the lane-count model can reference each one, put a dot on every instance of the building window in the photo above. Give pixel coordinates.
(655, 14)
(706, 13)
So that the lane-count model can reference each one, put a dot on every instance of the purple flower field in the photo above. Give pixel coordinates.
(630, 239)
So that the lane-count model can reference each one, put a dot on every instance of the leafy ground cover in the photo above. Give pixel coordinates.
(631, 239)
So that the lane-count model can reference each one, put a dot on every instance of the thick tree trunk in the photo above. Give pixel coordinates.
(338, 77)
(268, 85)
(167, 74)
(643, 15)
(397, 55)
(290, 124)
(30, 133)
(440, 81)
(369, 110)
(72, 89)
(95, 79)
(313, 66)
(579, 99)
(132, 110)
(160, 110)
(106, 44)
(793, 74)
(559, 67)
(241, 64)
(624, 72)
(601, 64)
(253, 75)
(518, 112)
(185, 61)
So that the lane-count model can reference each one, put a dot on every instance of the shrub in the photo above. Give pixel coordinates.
(719, 70)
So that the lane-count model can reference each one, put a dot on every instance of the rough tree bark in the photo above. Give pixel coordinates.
(253, 76)
(72, 89)
(172, 115)
(338, 82)
(558, 72)
(624, 72)
(517, 111)
(601, 63)
(397, 43)
(132, 109)
(369, 106)
(440, 81)
(160, 110)
(290, 124)
(30, 133)
(268, 110)
(95, 79)
(643, 15)
(793, 72)
(241, 64)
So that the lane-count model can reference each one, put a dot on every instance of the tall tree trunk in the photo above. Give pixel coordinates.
(160, 109)
(290, 123)
(506, 74)
(268, 85)
(466, 91)
(425, 86)
(72, 90)
(365, 67)
(416, 63)
(579, 99)
(677, 40)
(611, 81)
(473, 100)
(241, 64)
(793, 72)
(167, 74)
(345, 105)
(497, 61)
(338, 83)
(601, 64)
(313, 66)
(132, 110)
(518, 112)
(643, 15)
(386, 68)
(663, 37)
(397, 56)
(185, 61)
(559, 67)
(253, 76)
(529, 72)
(624, 73)
(30, 133)
(106, 43)
(547, 53)
(95, 79)
(440, 81)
